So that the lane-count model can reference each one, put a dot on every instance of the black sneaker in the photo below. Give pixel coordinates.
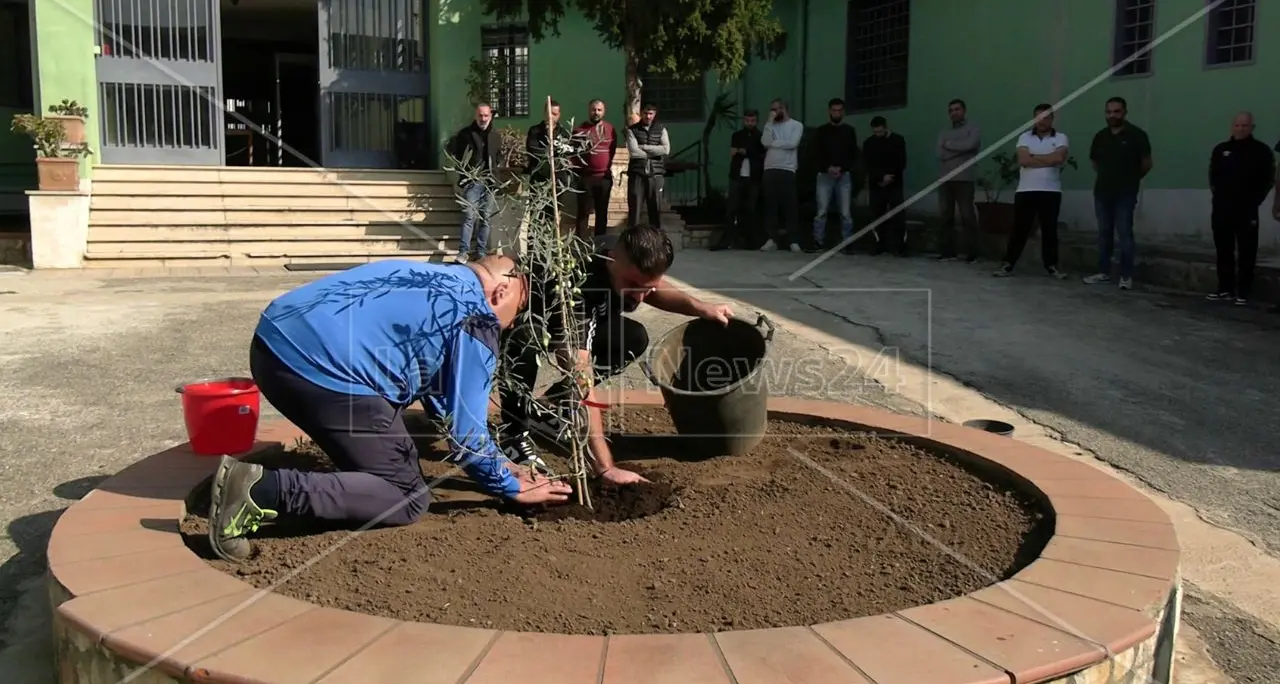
(946, 257)
(1220, 297)
(1005, 270)
(521, 450)
(232, 512)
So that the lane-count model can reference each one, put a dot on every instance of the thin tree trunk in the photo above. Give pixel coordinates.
(633, 84)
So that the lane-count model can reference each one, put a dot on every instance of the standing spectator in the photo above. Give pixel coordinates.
(958, 144)
(1042, 152)
(1121, 156)
(648, 144)
(837, 144)
(885, 156)
(478, 151)
(781, 138)
(599, 143)
(1275, 214)
(746, 166)
(1241, 173)
(538, 144)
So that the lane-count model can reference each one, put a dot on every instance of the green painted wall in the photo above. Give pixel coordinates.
(1185, 107)
(968, 50)
(65, 44)
(574, 68)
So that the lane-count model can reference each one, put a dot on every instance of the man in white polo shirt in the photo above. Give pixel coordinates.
(1042, 152)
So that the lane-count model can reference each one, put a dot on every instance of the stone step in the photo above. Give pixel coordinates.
(111, 173)
(269, 217)
(222, 259)
(266, 233)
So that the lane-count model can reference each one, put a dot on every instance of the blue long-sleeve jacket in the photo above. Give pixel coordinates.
(405, 331)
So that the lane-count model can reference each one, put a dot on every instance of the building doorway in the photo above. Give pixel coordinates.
(270, 82)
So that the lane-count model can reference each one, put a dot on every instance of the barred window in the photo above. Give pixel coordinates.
(1135, 29)
(879, 41)
(506, 52)
(1230, 36)
(676, 100)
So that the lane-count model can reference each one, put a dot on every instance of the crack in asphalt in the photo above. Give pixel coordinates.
(881, 338)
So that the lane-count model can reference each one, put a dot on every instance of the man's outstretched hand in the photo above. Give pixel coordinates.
(721, 313)
(618, 476)
(536, 488)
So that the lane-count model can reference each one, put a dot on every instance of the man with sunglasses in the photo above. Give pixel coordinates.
(603, 344)
(341, 358)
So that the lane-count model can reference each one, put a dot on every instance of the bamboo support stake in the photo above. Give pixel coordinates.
(577, 457)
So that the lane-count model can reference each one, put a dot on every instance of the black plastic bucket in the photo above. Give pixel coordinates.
(995, 427)
(711, 382)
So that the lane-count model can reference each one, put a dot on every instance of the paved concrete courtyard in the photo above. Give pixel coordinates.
(1176, 394)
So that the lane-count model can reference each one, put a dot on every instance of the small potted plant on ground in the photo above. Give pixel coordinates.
(996, 217)
(57, 161)
(71, 115)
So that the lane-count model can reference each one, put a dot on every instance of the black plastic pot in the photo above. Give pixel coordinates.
(712, 385)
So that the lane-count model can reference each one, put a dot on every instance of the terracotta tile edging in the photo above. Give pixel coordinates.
(126, 588)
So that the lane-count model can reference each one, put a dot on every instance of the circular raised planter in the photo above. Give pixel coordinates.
(1100, 604)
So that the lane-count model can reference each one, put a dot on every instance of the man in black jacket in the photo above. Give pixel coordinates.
(1241, 174)
(538, 143)
(837, 152)
(746, 166)
(885, 156)
(648, 147)
(477, 149)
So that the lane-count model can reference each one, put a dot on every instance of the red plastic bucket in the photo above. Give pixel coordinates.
(221, 415)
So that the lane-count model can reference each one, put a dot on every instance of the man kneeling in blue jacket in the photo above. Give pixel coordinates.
(342, 358)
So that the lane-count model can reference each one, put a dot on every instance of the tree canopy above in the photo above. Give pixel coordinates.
(679, 38)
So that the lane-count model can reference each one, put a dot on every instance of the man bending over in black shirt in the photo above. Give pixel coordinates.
(618, 280)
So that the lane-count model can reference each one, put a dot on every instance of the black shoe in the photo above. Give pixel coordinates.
(848, 250)
(946, 257)
(971, 260)
(520, 449)
(720, 247)
(813, 249)
(232, 512)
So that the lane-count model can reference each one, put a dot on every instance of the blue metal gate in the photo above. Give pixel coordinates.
(159, 82)
(373, 81)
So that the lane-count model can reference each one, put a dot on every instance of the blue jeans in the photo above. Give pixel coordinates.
(1115, 217)
(841, 188)
(478, 206)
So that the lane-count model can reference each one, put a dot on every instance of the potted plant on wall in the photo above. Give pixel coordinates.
(57, 160)
(71, 115)
(996, 217)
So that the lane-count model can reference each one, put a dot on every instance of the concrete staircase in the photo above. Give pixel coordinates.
(183, 216)
(173, 216)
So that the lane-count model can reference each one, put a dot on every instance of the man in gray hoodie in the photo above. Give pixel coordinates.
(957, 144)
(781, 140)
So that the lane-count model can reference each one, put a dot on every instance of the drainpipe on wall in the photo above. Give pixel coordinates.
(803, 66)
(1057, 56)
